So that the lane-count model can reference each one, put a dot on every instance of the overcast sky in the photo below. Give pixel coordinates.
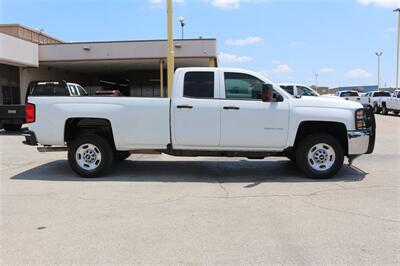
(289, 41)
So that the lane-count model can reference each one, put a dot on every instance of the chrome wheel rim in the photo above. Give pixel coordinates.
(321, 157)
(88, 156)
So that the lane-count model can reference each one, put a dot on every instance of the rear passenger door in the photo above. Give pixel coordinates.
(196, 112)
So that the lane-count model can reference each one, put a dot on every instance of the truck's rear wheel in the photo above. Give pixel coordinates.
(319, 156)
(90, 155)
(12, 127)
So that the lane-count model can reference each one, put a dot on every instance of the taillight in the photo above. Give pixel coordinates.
(29, 112)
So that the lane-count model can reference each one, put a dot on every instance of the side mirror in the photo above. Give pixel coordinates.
(268, 94)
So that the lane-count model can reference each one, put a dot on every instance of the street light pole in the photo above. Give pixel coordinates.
(398, 47)
(182, 22)
(379, 54)
(316, 79)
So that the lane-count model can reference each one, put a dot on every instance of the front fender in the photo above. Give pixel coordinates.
(318, 114)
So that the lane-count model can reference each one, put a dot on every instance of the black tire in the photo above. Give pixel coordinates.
(120, 156)
(396, 112)
(103, 148)
(384, 110)
(305, 146)
(376, 109)
(12, 127)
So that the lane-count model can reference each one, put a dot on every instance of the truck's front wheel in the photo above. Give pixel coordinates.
(319, 156)
(90, 155)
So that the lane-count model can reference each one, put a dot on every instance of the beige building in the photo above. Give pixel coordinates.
(136, 68)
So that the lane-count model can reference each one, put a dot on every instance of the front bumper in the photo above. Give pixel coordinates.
(363, 141)
(358, 141)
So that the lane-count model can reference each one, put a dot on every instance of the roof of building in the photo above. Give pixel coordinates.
(27, 33)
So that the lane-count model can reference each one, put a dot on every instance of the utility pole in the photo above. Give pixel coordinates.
(170, 56)
(316, 80)
(398, 47)
(379, 54)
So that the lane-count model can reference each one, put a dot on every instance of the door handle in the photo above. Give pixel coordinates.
(231, 108)
(185, 106)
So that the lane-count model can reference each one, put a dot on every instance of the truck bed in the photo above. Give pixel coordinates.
(137, 123)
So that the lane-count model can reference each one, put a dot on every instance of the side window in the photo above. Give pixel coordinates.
(242, 86)
(288, 89)
(199, 85)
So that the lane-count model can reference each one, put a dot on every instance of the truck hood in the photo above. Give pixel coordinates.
(325, 102)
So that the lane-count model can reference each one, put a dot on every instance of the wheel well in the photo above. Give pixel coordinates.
(335, 129)
(75, 127)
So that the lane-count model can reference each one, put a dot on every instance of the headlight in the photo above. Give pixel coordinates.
(360, 119)
(360, 114)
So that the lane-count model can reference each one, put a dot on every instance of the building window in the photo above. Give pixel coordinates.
(199, 85)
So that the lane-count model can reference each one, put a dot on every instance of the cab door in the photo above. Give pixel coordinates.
(246, 121)
(196, 112)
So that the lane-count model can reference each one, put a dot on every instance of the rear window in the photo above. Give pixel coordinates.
(48, 89)
(381, 94)
(349, 94)
(199, 85)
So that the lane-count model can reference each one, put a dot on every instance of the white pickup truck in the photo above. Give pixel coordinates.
(349, 95)
(212, 112)
(391, 104)
(374, 99)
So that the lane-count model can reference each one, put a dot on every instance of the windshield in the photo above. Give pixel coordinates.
(349, 94)
(381, 94)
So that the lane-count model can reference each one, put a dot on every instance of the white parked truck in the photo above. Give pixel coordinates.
(212, 112)
(391, 104)
(298, 90)
(373, 99)
(349, 95)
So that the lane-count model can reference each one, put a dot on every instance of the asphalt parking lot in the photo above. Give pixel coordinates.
(161, 209)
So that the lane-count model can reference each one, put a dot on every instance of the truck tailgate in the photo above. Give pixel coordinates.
(12, 112)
